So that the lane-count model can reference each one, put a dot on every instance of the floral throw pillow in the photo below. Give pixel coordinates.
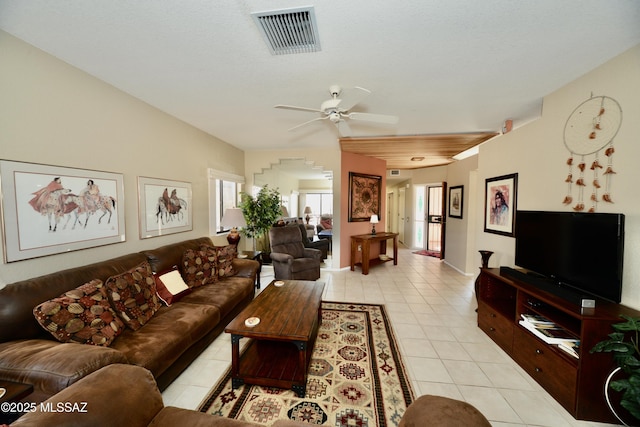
(82, 315)
(132, 295)
(225, 256)
(199, 267)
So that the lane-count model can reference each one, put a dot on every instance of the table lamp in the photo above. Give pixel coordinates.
(233, 218)
(307, 212)
(373, 221)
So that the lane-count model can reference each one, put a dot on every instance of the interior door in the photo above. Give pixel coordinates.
(444, 219)
(402, 218)
(389, 225)
(436, 218)
(433, 217)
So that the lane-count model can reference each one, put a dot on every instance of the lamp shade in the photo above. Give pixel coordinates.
(373, 220)
(307, 212)
(285, 211)
(233, 218)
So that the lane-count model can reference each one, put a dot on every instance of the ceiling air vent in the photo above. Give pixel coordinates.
(289, 31)
(394, 172)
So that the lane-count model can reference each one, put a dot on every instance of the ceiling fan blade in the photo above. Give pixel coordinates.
(351, 97)
(378, 118)
(293, 107)
(307, 122)
(343, 128)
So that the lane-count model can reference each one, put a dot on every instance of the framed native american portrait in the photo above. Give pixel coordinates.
(49, 210)
(500, 204)
(164, 207)
(364, 196)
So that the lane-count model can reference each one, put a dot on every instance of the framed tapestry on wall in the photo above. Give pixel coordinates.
(48, 209)
(364, 196)
(164, 207)
(500, 204)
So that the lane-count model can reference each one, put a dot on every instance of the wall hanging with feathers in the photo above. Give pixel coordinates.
(590, 131)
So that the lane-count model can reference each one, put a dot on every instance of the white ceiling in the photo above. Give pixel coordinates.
(442, 66)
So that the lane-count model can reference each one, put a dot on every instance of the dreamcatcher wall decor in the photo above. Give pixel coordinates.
(590, 130)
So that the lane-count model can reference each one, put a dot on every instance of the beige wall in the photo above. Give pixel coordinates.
(256, 161)
(537, 153)
(259, 161)
(311, 185)
(460, 233)
(52, 113)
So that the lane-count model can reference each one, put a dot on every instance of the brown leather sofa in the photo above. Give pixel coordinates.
(166, 345)
(125, 395)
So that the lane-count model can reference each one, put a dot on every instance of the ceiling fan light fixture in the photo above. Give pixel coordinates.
(337, 110)
(335, 116)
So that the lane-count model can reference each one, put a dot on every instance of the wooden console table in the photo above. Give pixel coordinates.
(364, 241)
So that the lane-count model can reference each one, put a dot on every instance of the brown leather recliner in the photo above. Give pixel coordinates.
(323, 245)
(291, 260)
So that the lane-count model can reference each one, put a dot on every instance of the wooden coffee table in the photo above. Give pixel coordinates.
(281, 344)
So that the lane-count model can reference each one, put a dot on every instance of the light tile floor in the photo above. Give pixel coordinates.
(432, 311)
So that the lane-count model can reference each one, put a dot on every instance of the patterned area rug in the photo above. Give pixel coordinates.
(428, 253)
(356, 377)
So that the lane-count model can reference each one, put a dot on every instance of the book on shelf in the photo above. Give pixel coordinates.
(571, 347)
(536, 319)
(549, 334)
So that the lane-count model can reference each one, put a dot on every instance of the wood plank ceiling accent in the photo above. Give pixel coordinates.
(425, 150)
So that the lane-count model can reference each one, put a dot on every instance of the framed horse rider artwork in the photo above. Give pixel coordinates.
(164, 207)
(49, 209)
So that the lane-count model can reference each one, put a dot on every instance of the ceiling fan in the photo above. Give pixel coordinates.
(337, 110)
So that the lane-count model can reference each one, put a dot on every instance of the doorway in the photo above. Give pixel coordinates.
(402, 218)
(389, 225)
(433, 235)
(429, 225)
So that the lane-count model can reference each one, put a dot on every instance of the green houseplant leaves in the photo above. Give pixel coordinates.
(260, 213)
(623, 345)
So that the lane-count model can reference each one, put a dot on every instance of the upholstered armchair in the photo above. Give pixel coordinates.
(291, 260)
(311, 230)
(323, 245)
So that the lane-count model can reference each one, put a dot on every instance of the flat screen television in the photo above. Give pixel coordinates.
(581, 251)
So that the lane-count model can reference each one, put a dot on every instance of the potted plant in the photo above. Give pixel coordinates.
(260, 213)
(623, 345)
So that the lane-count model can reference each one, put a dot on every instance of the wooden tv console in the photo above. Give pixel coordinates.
(577, 384)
